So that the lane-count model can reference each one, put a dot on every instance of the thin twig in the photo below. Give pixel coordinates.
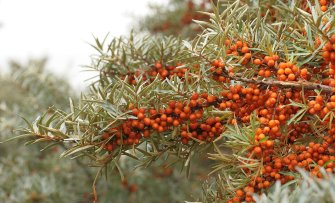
(286, 84)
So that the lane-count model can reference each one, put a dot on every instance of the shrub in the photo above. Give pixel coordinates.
(27, 175)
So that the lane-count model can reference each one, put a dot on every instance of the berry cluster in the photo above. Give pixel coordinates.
(163, 72)
(267, 65)
(329, 50)
(270, 138)
(183, 115)
(288, 71)
(325, 4)
(239, 48)
(218, 67)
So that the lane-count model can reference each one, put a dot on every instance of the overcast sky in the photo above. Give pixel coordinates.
(61, 29)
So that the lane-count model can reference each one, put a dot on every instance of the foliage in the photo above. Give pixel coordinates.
(311, 189)
(28, 175)
(32, 83)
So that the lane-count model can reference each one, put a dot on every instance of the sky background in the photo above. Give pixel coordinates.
(62, 29)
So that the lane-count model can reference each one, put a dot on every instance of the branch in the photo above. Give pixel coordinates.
(286, 84)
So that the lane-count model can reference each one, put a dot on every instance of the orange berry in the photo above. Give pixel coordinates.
(140, 116)
(109, 147)
(275, 57)
(257, 62)
(160, 129)
(311, 111)
(239, 193)
(258, 150)
(239, 44)
(282, 65)
(275, 129)
(261, 72)
(317, 107)
(236, 97)
(184, 141)
(175, 123)
(319, 99)
(182, 115)
(135, 112)
(155, 126)
(233, 121)
(272, 123)
(169, 119)
(323, 2)
(247, 55)
(324, 8)
(245, 50)
(105, 136)
(291, 77)
(295, 69)
(194, 96)
(266, 59)
(158, 65)
(146, 133)
(326, 55)
(163, 117)
(269, 143)
(271, 63)
(266, 184)
(281, 71)
(267, 73)
(288, 71)
(215, 62)
(187, 109)
(282, 117)
(303, 72)
(211, 99)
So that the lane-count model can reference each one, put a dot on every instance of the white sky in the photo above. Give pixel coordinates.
(61, 30)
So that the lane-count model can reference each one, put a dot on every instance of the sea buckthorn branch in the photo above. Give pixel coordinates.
(87, 120)
(147, 104)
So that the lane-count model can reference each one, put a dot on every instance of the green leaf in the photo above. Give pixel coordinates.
(76, 150)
